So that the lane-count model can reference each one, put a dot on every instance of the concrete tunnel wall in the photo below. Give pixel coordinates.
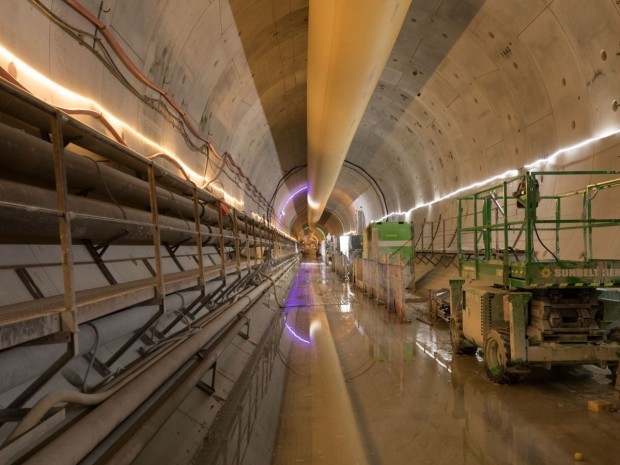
(471, 89)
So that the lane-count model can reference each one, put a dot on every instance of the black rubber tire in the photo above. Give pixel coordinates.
(497, 357)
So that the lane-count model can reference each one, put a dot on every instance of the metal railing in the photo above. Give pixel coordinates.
(516, 222)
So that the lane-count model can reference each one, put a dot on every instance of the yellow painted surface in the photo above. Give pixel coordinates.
(317, 423)
(597, 406)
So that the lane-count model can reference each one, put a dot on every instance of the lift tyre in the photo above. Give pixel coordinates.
(497, 357)
(459, 343)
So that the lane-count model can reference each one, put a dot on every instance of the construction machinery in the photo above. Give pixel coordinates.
(389, 239)
(539, 273)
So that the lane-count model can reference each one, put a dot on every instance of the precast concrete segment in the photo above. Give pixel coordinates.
(349, 42)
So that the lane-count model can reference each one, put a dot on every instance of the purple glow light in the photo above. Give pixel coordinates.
(291, 197)
(295, 335)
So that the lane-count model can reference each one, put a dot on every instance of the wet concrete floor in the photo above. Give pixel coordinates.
(363, 388)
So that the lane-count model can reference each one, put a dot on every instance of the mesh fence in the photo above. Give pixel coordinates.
(385, 281)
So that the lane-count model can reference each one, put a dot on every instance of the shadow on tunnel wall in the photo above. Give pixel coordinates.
(274, 36)
(430, 31)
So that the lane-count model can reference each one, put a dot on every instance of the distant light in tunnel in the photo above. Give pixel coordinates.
(291, 197)
(42, 86)
(313, 203)
(307, 228)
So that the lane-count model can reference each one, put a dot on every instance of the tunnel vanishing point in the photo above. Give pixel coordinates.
(164, 164)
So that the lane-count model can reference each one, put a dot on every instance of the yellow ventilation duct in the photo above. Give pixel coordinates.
(349, 42)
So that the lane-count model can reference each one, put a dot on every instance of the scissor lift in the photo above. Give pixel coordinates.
(524, 296)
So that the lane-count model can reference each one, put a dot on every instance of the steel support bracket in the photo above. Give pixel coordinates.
(100, 250)
(96, 253)
(44, 377)
(98, 365)
(209, 388)
(26, 279)
(245, 334)
(172, 250)
(136, 336)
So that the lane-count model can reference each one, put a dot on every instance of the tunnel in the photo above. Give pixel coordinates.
(256, 231)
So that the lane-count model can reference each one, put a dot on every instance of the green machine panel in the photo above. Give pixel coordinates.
(393, 238)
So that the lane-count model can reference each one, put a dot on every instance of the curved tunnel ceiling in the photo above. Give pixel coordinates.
(471, 89)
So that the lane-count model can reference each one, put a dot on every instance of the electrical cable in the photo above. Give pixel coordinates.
(543, 244)
(38, 411)
(219, 173)
(180, 123)
(275, 295)
(105, 184)
(590, 196)
(59, 22)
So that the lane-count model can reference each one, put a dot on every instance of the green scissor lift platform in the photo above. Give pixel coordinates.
(532, 267)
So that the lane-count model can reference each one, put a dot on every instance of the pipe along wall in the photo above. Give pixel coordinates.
(74, 442)
(99, 190)
(107, 201)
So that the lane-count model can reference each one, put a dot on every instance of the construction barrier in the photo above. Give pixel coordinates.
(383, 280)
(341, 265)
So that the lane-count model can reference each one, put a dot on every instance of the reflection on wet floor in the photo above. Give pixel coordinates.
(364, 388)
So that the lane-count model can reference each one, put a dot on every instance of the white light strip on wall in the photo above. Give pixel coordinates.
(564, 150)
(504, 175)
(507, 174)
(41, 86)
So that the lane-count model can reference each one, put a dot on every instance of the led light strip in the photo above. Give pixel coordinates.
(291, 197)
(561, 151)
(505, 174)
(295, 335)
(35, 80)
